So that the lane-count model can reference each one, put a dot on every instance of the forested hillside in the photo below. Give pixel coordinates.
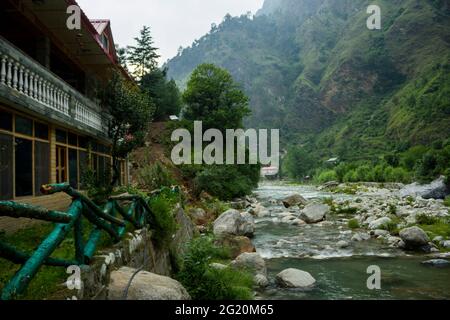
(313, 69)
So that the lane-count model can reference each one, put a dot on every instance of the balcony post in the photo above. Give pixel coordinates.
(3, 70)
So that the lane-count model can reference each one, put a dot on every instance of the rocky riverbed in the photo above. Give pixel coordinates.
(317, 243)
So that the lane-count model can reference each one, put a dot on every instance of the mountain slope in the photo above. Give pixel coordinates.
(314, 70)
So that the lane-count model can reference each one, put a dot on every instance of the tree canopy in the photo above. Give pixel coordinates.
(212, 96)
(143, 57)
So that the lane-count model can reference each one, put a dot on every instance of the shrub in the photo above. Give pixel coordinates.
(214, 206)
(392, 227)
(165, 224)
(227, 182)
(205, 283)
(154, 176)
(399, 175)
(353, 224)
(351, 176)
(364, 173)
(98, 186)
(327, 176)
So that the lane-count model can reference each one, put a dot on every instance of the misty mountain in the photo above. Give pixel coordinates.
(313, 69)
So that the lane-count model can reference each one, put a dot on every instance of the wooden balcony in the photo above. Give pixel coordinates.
(27, 84)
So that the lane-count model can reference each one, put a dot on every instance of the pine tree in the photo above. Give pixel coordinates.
(122, 58)
(143, 56)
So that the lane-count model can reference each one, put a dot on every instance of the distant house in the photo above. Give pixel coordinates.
(269, 171)
(332, 161)
(174, 118)
(52, 128)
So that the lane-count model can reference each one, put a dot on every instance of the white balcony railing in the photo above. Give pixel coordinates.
(27, 77)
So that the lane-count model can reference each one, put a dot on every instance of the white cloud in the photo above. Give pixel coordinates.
(174, 23)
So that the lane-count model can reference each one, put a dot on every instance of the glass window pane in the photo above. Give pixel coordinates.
(83, 142)
(41, 130)
(84, 165)
(24, 162)
(24, 126)
(73, 139)
(73, 168)
(61, 136)
(5, 120)
(94, 146)
(41, 165)
(6, 167)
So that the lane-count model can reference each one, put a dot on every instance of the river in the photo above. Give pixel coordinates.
(340, 273)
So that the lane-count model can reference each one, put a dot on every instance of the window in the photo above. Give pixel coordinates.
(41, 165)
(24, 167)
(61, 136)
(83, 142)
(73, 139)
(41, 130)
(73, 168)
(5, 120)
(24, 126)
(105, 42)
(6, 167)
(61, 162)
(83, 165)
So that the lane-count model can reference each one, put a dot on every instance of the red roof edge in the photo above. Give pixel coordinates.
(87, 23)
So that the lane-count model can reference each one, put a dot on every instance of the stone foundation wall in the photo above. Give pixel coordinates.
(136, 250)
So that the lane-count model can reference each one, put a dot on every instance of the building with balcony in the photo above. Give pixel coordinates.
(52, 127)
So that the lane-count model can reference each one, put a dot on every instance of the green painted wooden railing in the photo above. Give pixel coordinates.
(106, 220)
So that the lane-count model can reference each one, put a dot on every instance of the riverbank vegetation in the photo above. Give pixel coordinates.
(418, 163)
(203, 281)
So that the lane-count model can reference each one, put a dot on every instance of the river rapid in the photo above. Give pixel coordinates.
(341, 273)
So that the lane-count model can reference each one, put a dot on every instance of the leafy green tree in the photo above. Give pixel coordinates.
(165, 94)
(143, 57)
(131, 112)
(213, 97)
(298, 163)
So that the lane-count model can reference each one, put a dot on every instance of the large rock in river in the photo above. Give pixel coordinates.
(232, 222)
(145, 286)
(252, 262)
(236, 244)
(294, 200)
(294, 278)
(414, 237)
(314, 212)
(435, 190)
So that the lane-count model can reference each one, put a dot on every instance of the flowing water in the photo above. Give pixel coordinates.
(340, 273)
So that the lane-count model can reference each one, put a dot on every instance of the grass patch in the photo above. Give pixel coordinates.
(353, 224)
(349, 189)
(47, 284)
(447, 201)
(427, 220)
(441, 227)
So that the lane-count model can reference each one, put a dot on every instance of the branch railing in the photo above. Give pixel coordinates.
(112, 219)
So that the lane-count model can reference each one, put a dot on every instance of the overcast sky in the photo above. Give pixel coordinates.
(174, 23)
